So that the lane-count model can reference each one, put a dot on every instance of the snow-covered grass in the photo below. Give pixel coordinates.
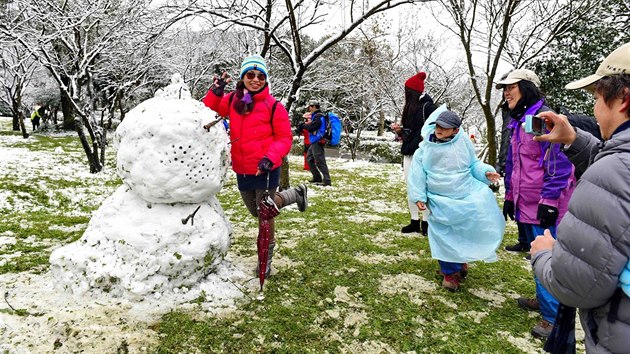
(345, 279)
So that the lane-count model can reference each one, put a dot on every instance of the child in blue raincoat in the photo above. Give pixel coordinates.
(446, 176)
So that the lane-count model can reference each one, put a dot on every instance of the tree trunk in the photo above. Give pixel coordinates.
(491, 157)
(16, 101)
(381, 123)
(92, 155)
(295, 87)
(66, 107)
(22, 126)
(16, 121)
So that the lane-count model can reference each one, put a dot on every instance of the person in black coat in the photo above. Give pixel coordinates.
(418, 106)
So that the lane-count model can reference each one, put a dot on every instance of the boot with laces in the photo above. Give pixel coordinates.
(542, 329)
(529, 304)
(451, 282)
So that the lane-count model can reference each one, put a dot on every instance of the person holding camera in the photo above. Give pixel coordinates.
(583, 268)
(541, 180)
(418, 107)
(260, 135)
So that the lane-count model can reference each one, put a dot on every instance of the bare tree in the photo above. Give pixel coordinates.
(515, 31)
(17, 69)
(282, 27)
(74, 41)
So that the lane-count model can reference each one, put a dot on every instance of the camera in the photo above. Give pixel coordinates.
(534, 125)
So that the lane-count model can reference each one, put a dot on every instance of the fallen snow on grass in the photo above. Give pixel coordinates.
(100, 323)
(406, 284)
(371, 258)
(495, 298)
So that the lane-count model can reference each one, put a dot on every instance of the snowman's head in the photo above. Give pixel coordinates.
(164, 153)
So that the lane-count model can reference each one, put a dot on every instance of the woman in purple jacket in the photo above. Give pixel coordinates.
(541, 180)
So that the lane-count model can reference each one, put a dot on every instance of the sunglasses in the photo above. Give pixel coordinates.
(250, 75)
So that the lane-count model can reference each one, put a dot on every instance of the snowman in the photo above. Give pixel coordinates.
(163, 229)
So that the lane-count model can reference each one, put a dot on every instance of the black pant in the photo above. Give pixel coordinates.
(316, 159)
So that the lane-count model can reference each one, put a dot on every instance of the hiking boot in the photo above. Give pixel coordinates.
(302, 199)
(451, 281)
(528, 304)
(519, 247)
(326, 184)
(414, 226)
(424, 228)
(542, 329)
(464, 271)
(315, 181)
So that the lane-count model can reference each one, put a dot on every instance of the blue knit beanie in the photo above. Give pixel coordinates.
(254, 62)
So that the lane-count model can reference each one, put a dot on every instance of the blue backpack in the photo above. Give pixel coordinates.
(332, 133)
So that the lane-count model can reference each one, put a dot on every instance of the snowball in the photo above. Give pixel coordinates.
(164, 153)
(132, 248)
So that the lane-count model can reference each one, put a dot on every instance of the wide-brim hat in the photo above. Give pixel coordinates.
(617, 62)
(518, 75)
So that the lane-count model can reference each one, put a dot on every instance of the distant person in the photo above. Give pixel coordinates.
(465, 223)
(35, 117)
(473, 139)
(418, 107)
(541, 180)
(260, 133)
(316, 155)
(583, 268)
(307, 140)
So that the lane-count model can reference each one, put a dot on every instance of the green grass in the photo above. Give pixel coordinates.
(356, 283)
(293, 316)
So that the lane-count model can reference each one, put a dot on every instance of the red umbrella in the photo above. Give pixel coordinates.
(267, 210)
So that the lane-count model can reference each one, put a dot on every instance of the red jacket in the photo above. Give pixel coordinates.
(251, 134)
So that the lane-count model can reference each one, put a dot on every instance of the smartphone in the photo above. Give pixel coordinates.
(534, 125)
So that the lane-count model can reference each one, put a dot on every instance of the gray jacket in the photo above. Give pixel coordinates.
(593, 243)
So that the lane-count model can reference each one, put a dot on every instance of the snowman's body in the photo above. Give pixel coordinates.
(137, 243)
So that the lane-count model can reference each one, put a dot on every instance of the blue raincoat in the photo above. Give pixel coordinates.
(465, 223)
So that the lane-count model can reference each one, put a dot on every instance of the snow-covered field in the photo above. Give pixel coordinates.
(37, 317)
(94, 322)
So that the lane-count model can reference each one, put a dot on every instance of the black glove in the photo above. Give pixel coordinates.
(547, 215)
(508, 209)
(218, 86)
(298, 130)
(405, 133)
(265, 165)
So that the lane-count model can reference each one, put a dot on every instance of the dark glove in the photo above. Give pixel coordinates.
(218, 86)
(547, 215)
(405, 133)
(298, 130)
(500, 170)
(265, 165)
(508, 209)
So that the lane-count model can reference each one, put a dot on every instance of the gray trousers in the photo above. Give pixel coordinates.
(316, 159)
(252, 200)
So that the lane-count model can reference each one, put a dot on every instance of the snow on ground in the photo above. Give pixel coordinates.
(96, 322)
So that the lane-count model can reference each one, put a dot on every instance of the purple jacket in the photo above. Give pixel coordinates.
(536, 172)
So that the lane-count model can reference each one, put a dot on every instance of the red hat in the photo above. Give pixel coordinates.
(416, 82)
